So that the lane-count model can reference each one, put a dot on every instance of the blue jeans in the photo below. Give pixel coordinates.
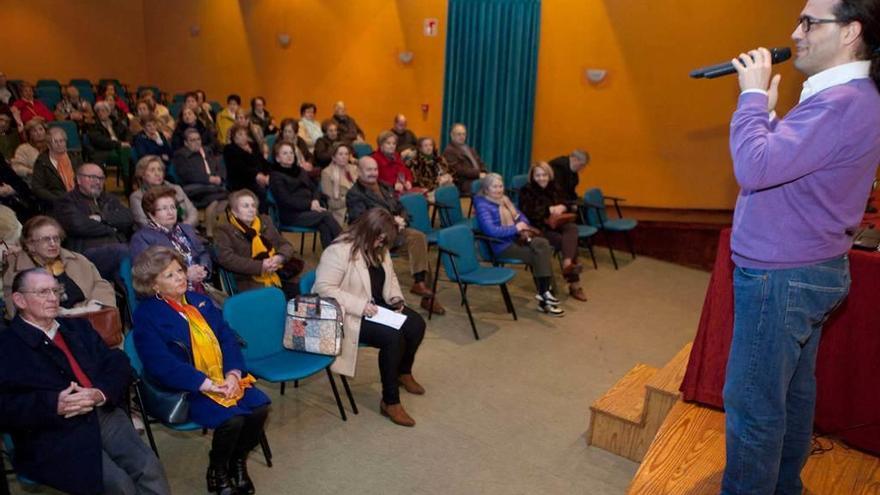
(770, 388)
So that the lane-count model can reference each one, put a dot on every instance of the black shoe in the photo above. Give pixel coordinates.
(239, 475)
(219, 482)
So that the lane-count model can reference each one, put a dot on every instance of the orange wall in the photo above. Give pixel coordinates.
(656, 137)
(54, 39)
(340, 49)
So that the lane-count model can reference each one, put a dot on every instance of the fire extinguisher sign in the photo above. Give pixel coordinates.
(431, 26)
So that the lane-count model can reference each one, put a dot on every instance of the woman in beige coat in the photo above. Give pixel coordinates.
(356, 270)
(84, 288)
(337, 178)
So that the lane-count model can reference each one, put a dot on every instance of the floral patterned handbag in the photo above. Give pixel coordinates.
(314, 324)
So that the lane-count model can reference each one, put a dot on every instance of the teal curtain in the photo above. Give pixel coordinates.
(490, 78)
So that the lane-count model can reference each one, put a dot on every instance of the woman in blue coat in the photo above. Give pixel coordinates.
(185, 345)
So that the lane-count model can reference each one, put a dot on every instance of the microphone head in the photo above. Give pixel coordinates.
(780, 54)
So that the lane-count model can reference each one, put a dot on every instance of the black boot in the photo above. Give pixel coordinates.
(239, 475)
(219, 482)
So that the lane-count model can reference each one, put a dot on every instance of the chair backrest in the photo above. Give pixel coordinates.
(484, 247)
(216, 107)
(51, 83)
(272, 205)
(125, 275)
(417, 206)
(174, 109)
(460, 240)
(307, 282)
(49, 95)
(178, 98)
(518, 181)
(80, 82)
(449, 202)
(361, 149)
(87, 93)
(131, 352)
(73, 141)
(270, 142)
(476, 186)
(227, 278)
(594, 196)
(258, 316)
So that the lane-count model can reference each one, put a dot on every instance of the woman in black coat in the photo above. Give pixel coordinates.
(187, 119)
(298, 197)
(540, 198)
(245, 166)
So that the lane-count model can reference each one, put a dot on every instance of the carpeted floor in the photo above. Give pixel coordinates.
(503, 415)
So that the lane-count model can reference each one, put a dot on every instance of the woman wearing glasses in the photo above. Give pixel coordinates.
(41, 247)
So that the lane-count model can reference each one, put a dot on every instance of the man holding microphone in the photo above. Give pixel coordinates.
(804, 182)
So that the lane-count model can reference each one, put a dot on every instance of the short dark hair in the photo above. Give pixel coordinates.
(254, 101)
(867, 13)
(21, 277)
(307, 105)
(154, 194)
(233, 97)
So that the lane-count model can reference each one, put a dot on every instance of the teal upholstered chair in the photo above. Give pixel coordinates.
(447, 202)
(416, 206)
(258, 316)
(362, 149)
(597, 216)
(131, 298)
(293, 229)
(460, 264)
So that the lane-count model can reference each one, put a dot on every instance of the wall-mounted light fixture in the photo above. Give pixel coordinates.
(194, 30)
(405, 57)
(284, 40)
(595, 76)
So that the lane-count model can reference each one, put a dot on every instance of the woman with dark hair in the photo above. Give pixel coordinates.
(185, 345)
(324, 144)
(261, 117)
(188, 119)
(119, 109)
(356, 270)
(246, 167)
(336, 179)
(309, 128)
(540, 198)
(429, 168)
(191, 101)
(150, 141)
(289, 131)
(252, 249)
(163, 229)
(299, 200)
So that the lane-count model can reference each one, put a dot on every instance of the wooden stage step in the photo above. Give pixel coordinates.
(687, 457)
(625, 420)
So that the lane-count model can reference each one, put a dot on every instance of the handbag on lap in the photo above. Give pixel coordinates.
(314, 324)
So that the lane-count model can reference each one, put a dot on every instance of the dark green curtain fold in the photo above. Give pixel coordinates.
(490, 78)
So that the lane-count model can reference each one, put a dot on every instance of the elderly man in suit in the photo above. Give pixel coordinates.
(464, 161)
(61, 389)
(54, 169)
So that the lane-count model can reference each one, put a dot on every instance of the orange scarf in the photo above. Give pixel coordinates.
(65, 170)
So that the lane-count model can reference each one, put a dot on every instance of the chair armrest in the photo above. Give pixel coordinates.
(615, 198)
(616, 201)
(449, 252)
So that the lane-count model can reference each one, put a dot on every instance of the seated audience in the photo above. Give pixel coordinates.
(149, 173)
(368, 193)
(349, 130)
(41, 247)
(245, 165)
(539, 199)
(97, 223)
(428, 167)
(261, 117)
(150, 141)
(202, 176)
(117, 106)
(189, 120)
(191, 101)
(64, 396)
(163, 229)
(299, 200)
(54, 170)
(289, 131)
(226, 118)
(205, 105)
(255, 133)
(160, 111)
(209, 365)
(252, 249)
(356, 270)
(497, 217)
(73, 108)
(309, 128)
(109, 141)
(15, 193)
(337, 179)
(565, 171)
(7, 91)
(324, 145)
(27, 153)
(464, 161)
(27, 107)
(406, 139)
(9, 137)
(392, 171)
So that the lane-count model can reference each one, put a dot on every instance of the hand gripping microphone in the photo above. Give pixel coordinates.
(777, 55)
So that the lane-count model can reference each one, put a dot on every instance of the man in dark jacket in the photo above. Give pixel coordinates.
(61, 389)
(464, 161)
(97, 223)
(368, 193)
(201, 172)
(348, 129)
(54, 170)
(109, 142)
(565, 172)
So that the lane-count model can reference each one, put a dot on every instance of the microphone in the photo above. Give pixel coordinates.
(777, 55)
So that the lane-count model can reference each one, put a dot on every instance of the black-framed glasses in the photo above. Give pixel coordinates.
(92, 177)
(806, 22)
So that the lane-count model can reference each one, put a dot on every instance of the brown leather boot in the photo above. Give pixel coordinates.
(438, 309)
(411, 385)
(577, 293)
(397, 414)
(421, 289)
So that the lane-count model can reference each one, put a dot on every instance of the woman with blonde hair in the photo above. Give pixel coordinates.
(149, 173)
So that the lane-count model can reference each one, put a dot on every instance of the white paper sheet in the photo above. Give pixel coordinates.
(388, 318)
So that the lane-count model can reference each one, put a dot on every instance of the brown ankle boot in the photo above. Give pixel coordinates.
(421, 289)
(411, 385)
(426, 305)
(397, 414)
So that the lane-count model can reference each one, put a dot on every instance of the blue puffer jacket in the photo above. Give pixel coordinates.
(489, 221)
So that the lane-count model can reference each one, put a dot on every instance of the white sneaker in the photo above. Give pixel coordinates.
(548, 297)
(551, 309)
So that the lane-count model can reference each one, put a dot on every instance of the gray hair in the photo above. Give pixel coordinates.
(20, 280)
(488, 181)
(103, 105)
(581, 156)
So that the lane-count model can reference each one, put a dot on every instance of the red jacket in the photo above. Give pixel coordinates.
(33, 109)
(390, 169)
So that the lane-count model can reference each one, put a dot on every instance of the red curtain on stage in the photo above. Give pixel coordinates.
(848, 366)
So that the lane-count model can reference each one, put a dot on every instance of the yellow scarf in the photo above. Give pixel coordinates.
(207, 356)
(258, 248)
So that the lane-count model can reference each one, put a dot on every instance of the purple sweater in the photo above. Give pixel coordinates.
(805, 179)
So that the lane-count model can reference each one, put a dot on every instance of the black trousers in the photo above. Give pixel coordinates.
(236, 437)
(327, 227)
(397, 350)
